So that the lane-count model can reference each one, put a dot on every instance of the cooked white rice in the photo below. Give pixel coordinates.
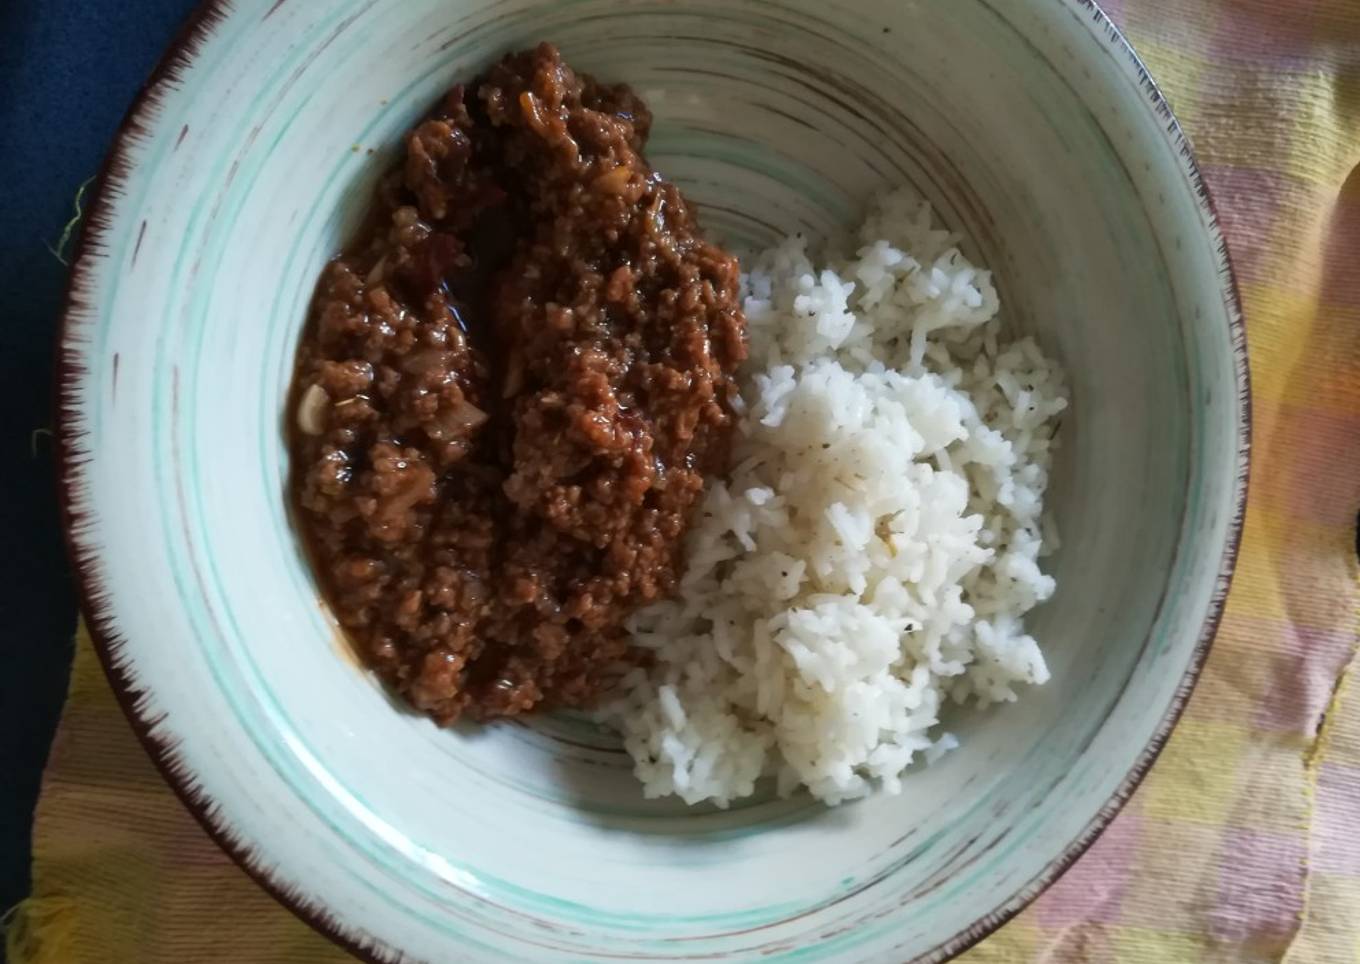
(875, 548)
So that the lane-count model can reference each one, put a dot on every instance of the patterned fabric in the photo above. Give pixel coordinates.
(1244, 843)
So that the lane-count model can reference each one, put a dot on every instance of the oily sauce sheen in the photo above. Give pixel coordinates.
(509, 395)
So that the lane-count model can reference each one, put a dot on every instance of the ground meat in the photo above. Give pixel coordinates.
(509, 395)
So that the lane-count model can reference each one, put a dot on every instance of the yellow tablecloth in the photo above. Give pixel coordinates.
(1244, 843)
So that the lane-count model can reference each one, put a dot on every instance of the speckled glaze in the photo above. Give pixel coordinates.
(248, 161)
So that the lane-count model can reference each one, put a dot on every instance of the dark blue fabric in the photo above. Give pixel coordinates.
(68, 70)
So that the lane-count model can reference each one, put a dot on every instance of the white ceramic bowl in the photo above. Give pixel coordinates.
(247, 163)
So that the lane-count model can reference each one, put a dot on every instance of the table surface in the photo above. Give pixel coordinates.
(68, 70)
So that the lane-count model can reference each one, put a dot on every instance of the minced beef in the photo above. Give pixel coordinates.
(509, 395)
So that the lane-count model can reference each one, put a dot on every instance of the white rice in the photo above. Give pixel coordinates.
(874, 550)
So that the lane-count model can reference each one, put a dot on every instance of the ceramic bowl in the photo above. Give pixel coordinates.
(248, 162)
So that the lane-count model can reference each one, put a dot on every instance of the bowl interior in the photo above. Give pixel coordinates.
(1028, 126)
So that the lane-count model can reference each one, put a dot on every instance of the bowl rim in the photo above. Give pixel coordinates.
(72, 461)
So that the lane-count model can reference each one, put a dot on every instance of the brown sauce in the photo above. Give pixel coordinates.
(509, 394)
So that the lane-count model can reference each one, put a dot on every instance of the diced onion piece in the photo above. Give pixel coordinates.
(463, 419)
(424, 361)
(311, 414)
(514, 374)
(533, 113)
(614, 181)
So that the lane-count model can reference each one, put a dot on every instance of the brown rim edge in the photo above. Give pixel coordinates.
(1074, 851)
(71, 457)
